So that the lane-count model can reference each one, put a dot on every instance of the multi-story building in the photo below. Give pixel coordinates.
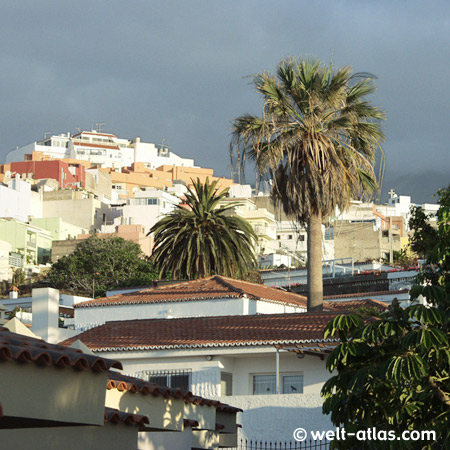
(18, 201)
(30, 246)
(77, 208)
(68, 175)
(101, 149)
(262, 221)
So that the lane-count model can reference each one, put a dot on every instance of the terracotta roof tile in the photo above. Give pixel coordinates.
(203, 289)
(132, 384)
(115, 416)
(365, 294)
(198, 332)
(228, 409)
(24, 349)
(352, 305)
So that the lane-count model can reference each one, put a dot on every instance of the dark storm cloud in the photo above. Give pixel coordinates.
(175, 70)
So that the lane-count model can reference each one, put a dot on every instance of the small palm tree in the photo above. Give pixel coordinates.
(316, 140)
(202, 240)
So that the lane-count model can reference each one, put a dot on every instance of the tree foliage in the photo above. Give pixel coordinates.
(100, 264)
(316, 140)
(392, 372)
(202, 240)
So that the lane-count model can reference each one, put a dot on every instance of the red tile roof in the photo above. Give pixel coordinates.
(115, 416)
(214, 287)
(204, 332)
(354, 305)
(365, 294)
(132, 384)
(24, 349)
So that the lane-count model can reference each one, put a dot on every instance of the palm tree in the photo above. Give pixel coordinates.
(202, 240)
(316, 140)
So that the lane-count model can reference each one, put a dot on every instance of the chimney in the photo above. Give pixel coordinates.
(45, 309)
(13, 292)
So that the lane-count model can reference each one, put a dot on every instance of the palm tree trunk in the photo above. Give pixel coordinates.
(314, 263)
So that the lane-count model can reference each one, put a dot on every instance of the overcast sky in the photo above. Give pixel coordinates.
(176, 70)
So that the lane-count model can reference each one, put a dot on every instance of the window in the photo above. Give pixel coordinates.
(290, 236)
(301, 238)
(292, 384)
(266, 384)
(278, 237)
(226, 383)
(176, 379)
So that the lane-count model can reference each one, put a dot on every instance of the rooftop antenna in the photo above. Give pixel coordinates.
(47, 134)
(99, 126)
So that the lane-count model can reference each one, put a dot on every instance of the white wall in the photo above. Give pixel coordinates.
(148, 215)
(266, 417)
(15, 200)
(220, 307)
(86, 317)
(5, 269)
(275, 417)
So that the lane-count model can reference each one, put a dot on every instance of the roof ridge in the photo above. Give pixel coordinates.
(303, 314)
(262, 285)
(221, 279)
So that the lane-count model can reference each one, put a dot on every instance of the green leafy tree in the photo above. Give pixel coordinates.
(202, 240)
(316, 140)
(100, 264)
(393, 372)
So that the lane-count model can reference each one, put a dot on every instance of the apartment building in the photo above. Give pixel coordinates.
(101, 149)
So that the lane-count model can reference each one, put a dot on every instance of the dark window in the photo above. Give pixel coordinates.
(176, 379)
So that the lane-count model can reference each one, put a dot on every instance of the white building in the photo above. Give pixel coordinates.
(18, 201)
(212, 296)
(102, 149)
(148, 206)
(270, 365)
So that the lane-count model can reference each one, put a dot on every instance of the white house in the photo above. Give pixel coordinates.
(148, 206)
(212, 296)
(270, 365)
(55, 397)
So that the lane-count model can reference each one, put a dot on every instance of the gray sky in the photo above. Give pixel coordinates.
(175, 70)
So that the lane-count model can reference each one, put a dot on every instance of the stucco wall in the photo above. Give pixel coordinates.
(275, 417)
(100, 315)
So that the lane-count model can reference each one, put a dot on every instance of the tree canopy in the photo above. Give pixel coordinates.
(316, 141)
(100, 264)
(393, 371)
(199, 239)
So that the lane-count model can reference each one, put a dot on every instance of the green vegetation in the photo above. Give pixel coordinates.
(202, 240)
(316, 140)
(100, 264)
(393, 372)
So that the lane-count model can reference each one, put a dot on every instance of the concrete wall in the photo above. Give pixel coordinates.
(98, 182)
(107, 437)
(63, 248)
(87, 213)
